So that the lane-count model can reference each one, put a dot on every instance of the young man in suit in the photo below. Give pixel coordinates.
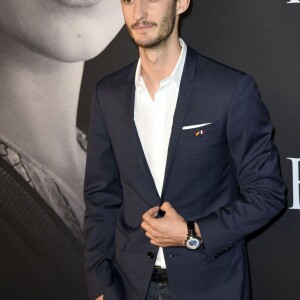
(181, 167)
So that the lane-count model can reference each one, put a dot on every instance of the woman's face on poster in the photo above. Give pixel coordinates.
(65, 30)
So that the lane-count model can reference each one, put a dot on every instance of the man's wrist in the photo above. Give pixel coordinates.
(197, 230)
(193, 240)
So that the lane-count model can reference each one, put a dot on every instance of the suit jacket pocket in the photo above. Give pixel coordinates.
(202, 130)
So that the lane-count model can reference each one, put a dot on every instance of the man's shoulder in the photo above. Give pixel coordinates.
(118, 78)
(214, 70)
(214, 80)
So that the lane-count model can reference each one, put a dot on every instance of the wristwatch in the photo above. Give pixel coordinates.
(192, 241)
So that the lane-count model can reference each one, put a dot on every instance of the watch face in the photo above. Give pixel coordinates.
(193, 243)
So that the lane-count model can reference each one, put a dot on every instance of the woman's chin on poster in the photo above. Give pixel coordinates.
(43, 45)
(64, 30)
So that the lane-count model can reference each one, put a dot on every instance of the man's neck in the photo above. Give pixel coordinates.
(158, 63)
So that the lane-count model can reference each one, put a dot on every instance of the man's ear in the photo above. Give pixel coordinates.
(182, 6)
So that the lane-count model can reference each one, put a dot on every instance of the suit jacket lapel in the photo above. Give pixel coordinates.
(144, 178)
(184, 95)
(185, 91)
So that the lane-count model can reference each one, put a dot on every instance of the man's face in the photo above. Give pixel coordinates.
(149, 22)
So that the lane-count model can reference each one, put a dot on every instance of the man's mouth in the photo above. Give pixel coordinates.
(143, 25)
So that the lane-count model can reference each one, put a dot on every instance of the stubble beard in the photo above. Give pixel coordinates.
(166, 28)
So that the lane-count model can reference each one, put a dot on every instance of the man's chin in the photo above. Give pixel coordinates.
(149, 43)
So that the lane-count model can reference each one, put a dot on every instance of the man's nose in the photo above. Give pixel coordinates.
(140, 10)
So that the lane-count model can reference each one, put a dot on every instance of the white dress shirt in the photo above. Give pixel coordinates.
(154, 119)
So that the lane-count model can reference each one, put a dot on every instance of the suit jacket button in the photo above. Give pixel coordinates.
(150, 254)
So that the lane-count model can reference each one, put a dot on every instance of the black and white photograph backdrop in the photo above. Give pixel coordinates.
(52, 54)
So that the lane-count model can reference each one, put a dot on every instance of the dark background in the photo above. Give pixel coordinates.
(260, 37)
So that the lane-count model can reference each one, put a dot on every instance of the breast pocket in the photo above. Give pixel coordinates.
(204, 141)
(198, 131)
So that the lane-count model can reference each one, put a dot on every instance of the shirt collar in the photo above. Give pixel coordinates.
(175, 75)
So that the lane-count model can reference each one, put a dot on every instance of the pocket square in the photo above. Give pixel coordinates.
(195, 126)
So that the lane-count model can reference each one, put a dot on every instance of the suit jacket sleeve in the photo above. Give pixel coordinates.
(255, 158)
(103, 197)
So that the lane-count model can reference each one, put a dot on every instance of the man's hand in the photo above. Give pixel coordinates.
(100, 298)
(170, 230)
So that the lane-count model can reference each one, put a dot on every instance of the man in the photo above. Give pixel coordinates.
(181, 167)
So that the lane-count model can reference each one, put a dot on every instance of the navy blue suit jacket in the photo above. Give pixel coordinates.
(227, 179)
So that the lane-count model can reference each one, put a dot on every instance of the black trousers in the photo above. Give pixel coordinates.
(158, 291)
(159, 286)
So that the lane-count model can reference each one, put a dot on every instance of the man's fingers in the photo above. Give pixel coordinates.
(154, 243)
(166, 206)
(146, 226)
(150, 213)
(149, 227)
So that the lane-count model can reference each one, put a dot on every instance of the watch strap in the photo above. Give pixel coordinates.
(191, 228)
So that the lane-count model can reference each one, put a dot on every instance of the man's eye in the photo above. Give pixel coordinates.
(132, 1)
(127, 1)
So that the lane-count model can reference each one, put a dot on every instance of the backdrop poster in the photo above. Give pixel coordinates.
(43, 46)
